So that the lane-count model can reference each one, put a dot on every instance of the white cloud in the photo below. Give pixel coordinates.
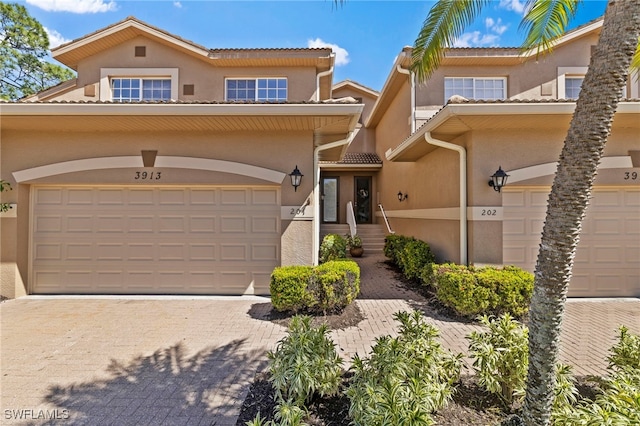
(513, 5)
(475, 39)
(496, 26)
(75, 6)
(55, 38)
(342, 56)
(177, 4)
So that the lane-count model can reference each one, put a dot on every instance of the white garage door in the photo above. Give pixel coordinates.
(154, 240)
(607, 262)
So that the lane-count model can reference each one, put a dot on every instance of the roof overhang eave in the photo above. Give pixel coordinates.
(415, 147)
(159, 109)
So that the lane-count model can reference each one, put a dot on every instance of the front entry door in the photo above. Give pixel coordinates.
(363, 197)
(330, 199)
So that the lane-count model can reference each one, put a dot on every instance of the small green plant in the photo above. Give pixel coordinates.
(501, 356)
(5, 186)
(405, 378)
(333, 247)
(353, 241)
(625, 353)
(618, 400)
(304, 362)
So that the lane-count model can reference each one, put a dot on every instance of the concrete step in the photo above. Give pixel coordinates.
(372, 235)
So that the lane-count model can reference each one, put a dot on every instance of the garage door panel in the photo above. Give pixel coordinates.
(151, 243)
(608, 254)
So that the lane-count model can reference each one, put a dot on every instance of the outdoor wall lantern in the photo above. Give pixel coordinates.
(296, 178)
(498, 179)
(402, 197)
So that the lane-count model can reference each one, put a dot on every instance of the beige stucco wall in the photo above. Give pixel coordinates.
(530, 79)
(208, 80)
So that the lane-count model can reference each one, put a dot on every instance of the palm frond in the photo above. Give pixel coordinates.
(545, 21)
(635, 61)
(444, 24)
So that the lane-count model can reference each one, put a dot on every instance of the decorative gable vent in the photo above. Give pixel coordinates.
(141, 51)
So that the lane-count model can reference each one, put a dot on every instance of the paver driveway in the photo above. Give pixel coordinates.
(172, 361)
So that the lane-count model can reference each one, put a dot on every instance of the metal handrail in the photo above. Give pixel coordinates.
(384, 216)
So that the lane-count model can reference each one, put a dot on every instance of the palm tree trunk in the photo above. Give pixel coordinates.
(569, 197)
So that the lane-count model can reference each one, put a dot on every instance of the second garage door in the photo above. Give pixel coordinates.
(154, 240)
(608, 255)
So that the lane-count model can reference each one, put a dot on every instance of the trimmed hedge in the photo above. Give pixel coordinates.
(409, 254)
(472, 291)
(288, 287)
(327, 287)
(469, 291)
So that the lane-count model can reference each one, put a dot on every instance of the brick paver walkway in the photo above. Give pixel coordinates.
(190, 361)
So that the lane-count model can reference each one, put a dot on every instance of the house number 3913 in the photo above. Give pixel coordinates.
(148, 176)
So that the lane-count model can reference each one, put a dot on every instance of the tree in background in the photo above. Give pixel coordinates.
(24, 45)
(545, 21)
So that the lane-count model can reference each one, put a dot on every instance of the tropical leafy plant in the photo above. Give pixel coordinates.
(405, 378)
(304, 362)
(500, 356)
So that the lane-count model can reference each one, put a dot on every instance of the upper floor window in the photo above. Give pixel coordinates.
(140, 89)
(138, 84)
(257, 89)
(475, 88)
(572, 87)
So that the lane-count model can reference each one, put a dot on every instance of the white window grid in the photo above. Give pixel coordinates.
(484, 88)
(135, 89)
(572, 86)
(256, 89)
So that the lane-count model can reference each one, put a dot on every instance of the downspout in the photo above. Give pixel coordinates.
(463, 190)
(324, 74)
(316, 190)
(413, 94)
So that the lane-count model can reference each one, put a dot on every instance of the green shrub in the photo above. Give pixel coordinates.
(305, 362)
(405, 379)
(618, 400)
(327, 287)
(458, 288)
(501, 359)
(472, 291)
(625, 353)
(512, 286)
(501, 356)
(333, 247)
(394, 245)
(415, 255)
(334, 285)
(288, 287)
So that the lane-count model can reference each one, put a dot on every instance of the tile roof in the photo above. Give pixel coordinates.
(357, 158)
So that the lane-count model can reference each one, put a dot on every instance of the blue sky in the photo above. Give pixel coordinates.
(366, 35)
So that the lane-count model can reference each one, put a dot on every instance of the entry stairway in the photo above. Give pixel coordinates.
(372, 235)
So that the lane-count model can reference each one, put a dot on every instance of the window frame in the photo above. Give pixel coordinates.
(474, 88)
(107, 74)
(257, 88)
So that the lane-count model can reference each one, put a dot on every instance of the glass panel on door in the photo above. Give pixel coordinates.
(362, 197)
(330, 200)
